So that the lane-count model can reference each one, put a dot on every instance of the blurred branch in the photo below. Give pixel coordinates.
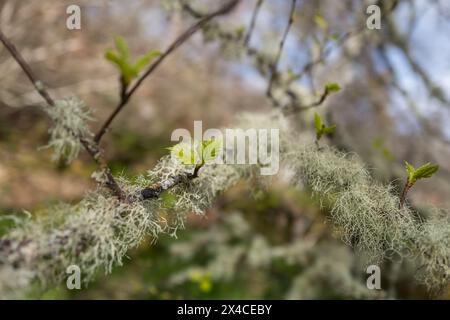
(38, 85)
(411, 102)
(266, 66)
(126, 94)
(252, 22)
(400, 41)
(324, 53)
(274, 64)
(155, 190)
(299, 108)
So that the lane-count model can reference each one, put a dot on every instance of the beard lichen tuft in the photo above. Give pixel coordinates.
(96, 233)
(70, 119)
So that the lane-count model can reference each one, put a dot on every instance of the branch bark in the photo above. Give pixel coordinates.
(252, 22)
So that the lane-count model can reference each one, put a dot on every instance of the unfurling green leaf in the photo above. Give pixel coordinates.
(321, 128)
(424, 171)
(332, 87)
(121, 58)
(410, 170)
(112, 56)
(186, 153)
(211, 149)
(329, 129)
(122, 47)
(317, 122)
(144, 60)
(197, 153)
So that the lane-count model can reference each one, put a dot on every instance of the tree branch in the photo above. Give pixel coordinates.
(252, 22)
(177, 43)
(294, 108)
(39, 85)
(92, 148)
(406, 188)
(274, 65)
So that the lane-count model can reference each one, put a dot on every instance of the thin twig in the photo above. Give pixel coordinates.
(406, 188)
(155, 190)
(300, 108)
(178, 42)
(274, 65)
(324, 53)
(252, 22)
(39, 85)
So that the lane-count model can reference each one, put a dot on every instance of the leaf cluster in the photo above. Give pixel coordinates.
(122, 59)
(422, 172)
(197, 153)
(321, 128)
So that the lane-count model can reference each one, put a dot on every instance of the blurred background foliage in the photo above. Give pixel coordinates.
(269, 243)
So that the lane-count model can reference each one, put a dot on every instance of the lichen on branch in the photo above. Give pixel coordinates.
(96, 233)
(70, 119)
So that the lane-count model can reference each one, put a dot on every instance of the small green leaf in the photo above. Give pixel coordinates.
(321, 128)
(424, 171)
(122, 47)
(186, 153)
(320, 21)
(121, 58)
(144, 60)
(329, 129)
(332, 87)
(410, 170)
(317, 122)
(112, 56)
(124, 68)
(211, 149)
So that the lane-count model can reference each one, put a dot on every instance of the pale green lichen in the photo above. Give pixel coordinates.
(433, 245)
(70, 119)
(97, 232)
(366, 213)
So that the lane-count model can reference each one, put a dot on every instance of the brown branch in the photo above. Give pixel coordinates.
(406, 188)
(92, 148)
(177, 43)
(186, 6)
(252, 22)
(325, 53)
(274, 65)
(401, 43)
(300, 108)
(155, 190)
(38, 85)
